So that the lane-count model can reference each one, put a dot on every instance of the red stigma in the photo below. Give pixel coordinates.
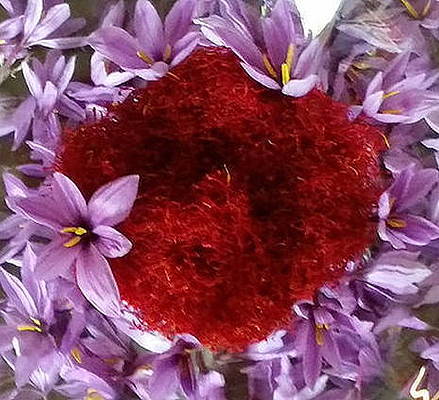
(249, 200)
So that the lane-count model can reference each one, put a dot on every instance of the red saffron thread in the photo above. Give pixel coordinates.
(249, 200)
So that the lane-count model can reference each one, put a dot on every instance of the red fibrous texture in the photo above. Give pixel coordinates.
(249, 200)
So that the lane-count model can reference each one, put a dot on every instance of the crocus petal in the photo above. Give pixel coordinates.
(14, 186)
(312, 359)
(418, 231)
(118, 46)
(17, 294)
(53, 19)
(149, 29)
(32, 16)
(300, 87)
(32, 81)
(110, 242)
(66, 75)
(179, 19)
(372, 103)
(10, 28)
(263, 79)
(63, 43)
(96, 281)
(112, 203)
(71, 202)
(184, 47)
(22, 117)
(56, 260)
(46, 102)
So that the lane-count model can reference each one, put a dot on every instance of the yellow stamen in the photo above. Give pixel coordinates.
(288, 64)
(320, 336)
(285, 74)
(73, 242)
(426, 9)
(361, 65)
(29, 328)
(269, 67)
(112, 361)
(396, 223)
(290, 55)
(37, 322)
(410, 9)
(391, 94)
(386, 141)
(145, 57)
(167, 53)
(93, 394)
(76, 230)
(2, 41)
(76, 354)
(392, 112)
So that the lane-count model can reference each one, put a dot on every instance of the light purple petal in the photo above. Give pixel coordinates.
(179, 20)
(96, 282)
(112, 203)
(17, 294)
(263, 79)
(56, 260)
(11, 28)
(300, 87)
(22, 117)
(418, 231)
(63, 43)
(70, 200)
(312, 358)
(149, 29)
(14, 186)
(53, 19)
(66, 75)
(184, 47)
(46, 102)
(118, 46)
(32, 16)
(110, 242)
(33, 82)
(372, 103)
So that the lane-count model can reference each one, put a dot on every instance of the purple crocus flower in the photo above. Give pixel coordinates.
(84, 234)
(37, 334)
(394, 96)
(38, 24)
(47, 84)
(272, 47)
(399, 225)
(156, 46)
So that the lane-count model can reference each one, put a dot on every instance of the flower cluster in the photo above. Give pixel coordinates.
(65, 329)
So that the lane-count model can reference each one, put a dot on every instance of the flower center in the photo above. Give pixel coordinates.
(249, 200)
(78, 234)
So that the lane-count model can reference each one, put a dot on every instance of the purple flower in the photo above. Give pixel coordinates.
(399, 225)
(395, 96)
(272, 47)
(40, 24)
(155, 46)
(47, 84)
(84, 234)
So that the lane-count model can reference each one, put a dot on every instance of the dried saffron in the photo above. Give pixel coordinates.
(250, 200)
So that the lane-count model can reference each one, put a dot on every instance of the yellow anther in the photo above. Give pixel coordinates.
(77, 230)
(2, 41)
(37, 322)
(29, 328)
(290, 55)
(93, 394)
(410, 9)
(285, 74)
(361, 65)
(167, 53)
(391, 94)
(76, 354)
(386, 141)
(73, 242)
(288, 64)
(320, 336)
(396, 223)
(268, 66)
(145, 57)
(426, 9)
(392, 112)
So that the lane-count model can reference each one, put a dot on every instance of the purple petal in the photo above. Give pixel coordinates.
(32, 15)
(110, 242)
(70, 109)
(97, 283)
(70, 201)
(112, 203)
(11, 28)
(66, 75)
(184, 47)
(33, 82)
(14, 186)
(22, 117)
(114, 15)
(53, 19)
(263, 79)
(300, 87)
(179, 20)
(56, 260)
(63, 43)
(149, 29)
(17, 294)
(372, 103)
(47, 101)
(418, 231)
(312, 358)
(310, 60)
(118, 46)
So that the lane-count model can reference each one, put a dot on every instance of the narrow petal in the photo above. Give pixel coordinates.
(184, 47)
(112, 203)
(118, 46)
(14, 186)
(63, 43)
(53, 19)
(46, 102)
(17, 294)
(69, 198)
(11, 28)
(149, 29)
(55, 260)
(179, 20)
(66, 75)
(300, 87)
(33, 82)
(110, 242)
(263, 79)
(418, 231)
(96, 282)
(32, 16)
(312, 358)
(22, 118)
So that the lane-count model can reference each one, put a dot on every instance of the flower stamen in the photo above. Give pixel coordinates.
(79, 232)
(320, 335)
(29, 328)
(410, 9)
(288, 64)
(145, 57)
(76, 355)
(167, 53)
(93, 394)
(392, 112)
(391, 94)
(269, 66)
(396, 223)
